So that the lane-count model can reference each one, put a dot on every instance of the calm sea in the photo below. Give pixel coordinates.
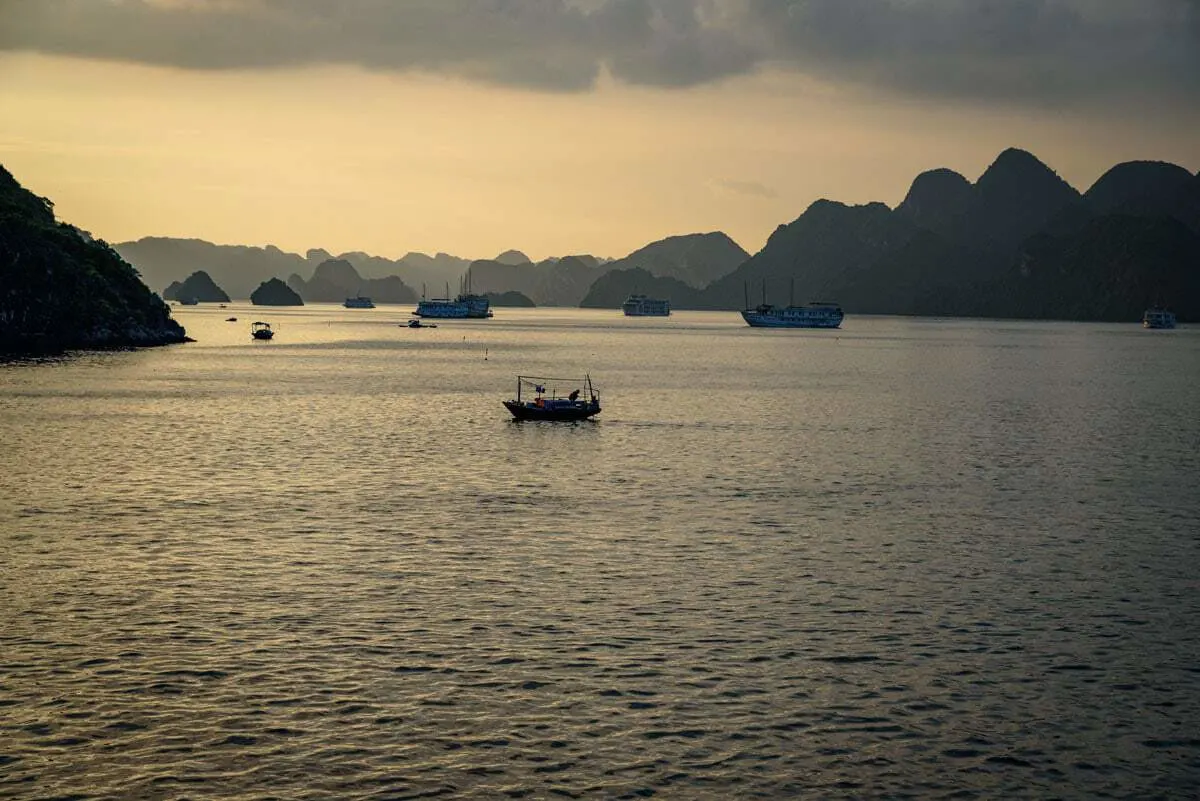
(910, 558)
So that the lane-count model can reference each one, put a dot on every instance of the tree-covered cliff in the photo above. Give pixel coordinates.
(1019, 242)
(60, 289)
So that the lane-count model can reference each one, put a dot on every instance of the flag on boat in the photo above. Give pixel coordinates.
(539, 388)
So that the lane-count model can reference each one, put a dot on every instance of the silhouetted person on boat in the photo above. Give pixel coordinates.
(574, 396)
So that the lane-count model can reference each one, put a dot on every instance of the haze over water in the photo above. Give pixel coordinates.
(910, 558)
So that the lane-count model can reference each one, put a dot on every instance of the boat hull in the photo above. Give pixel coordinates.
(464, 307)
(561, 413)
(442, 310)
(781, 318)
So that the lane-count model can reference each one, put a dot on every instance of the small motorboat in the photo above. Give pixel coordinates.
(558, 399)
(261, 330)
(1156, 317)
(231, 319)
(419, 324)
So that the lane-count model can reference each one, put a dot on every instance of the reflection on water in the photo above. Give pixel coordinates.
(910, 557)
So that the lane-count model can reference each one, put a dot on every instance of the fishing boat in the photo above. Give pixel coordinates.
(554, 399)
(189, 301)
(643, 306)
(358, 302)
(260, 330)
(419, 324)
(811, 315)
(1158, 318)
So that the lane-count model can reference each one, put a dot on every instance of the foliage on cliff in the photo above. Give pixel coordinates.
(60, 289)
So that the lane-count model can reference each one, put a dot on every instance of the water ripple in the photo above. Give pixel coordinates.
(868, 567)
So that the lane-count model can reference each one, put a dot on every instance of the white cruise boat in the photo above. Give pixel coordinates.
(812, 315)
(466, 305)
(442, 308)
(643, 306)
(478, 306)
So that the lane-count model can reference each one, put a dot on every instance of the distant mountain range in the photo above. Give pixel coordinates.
(610, 290)
(1018, 242)
(552, 282)
(334, 280)
(695, 259)
(240, 269)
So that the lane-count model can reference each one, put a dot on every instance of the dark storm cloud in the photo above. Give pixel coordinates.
(1042, 51)
(1036, 50)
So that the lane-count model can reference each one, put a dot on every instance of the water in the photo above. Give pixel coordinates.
(910, 558)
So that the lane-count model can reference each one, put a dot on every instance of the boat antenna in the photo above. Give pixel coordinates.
(746, 295)
(792, 293)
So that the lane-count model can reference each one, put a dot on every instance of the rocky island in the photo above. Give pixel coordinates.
(60, 289)
(275, 293)
(198, 286)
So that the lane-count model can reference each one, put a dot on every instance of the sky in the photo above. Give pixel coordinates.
(564, 126)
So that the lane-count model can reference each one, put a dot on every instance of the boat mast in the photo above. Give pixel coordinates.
(764, 292)
(746, 294)
(792, 293)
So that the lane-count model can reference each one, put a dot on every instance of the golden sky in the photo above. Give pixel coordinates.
(386, 159)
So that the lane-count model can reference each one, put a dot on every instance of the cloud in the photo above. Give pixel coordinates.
(1026, 51)
(745, 188)
(1043, 51)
